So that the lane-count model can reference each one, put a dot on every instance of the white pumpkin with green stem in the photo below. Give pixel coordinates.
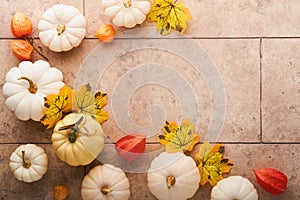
(173, 176)
(62, 28)
(234, 187)
(27, 85)
(127, 13)
(105, 182)
(28, 163)
(77, 139)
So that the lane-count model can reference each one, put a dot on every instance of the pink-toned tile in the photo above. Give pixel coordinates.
(231, 18)
(58, 173)
(238, 64)
(281, 90)
(34, 9)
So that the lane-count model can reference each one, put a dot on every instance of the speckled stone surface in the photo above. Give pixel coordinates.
(254, 46)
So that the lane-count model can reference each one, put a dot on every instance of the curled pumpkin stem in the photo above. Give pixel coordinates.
(30, 41)
(74, 130)
(32, 86)
(105, 190)
(60, 29)
(127, 3)
(25, 163)
(171, 180)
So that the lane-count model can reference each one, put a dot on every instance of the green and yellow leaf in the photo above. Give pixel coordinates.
(212, 165)
(179, 138)
(169, 14)
(55, 106)
(84, 101)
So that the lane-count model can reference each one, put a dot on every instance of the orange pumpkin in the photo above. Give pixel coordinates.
(20, 25)
(105, 33)
(21, 49)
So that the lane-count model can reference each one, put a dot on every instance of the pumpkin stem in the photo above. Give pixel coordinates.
(74, 129)
(171, 180)
(26, 163)
(127, 3)
(105, 190)
(32, 87)
(60, 29)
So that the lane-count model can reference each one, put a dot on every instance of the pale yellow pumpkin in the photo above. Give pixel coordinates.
(77, 139)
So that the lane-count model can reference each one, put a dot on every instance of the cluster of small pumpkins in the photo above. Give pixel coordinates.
(78, 139)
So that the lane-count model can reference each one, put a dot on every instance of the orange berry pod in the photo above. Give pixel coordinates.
(21, 49)
(20, 25)
(105, 33)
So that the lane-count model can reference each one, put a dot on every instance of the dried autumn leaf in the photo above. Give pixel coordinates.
(179, 138)
(168, 15)
(56, 105)
(84, 101)
(212, 165)
(271, 180)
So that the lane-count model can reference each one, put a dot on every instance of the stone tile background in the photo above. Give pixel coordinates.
(254, 43)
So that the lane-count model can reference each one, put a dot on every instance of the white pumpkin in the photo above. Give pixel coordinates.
(105, 182)
(234, 187)
(77, 139)
(27, 85)
(28, 163)
(173, 176)
(127, 13)
(62, 28)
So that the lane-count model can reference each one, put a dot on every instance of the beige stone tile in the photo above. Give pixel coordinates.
(233, 59)
(34, 9)
(281, 90)
(238, 65)
(57, 173)
(230, 18)
(226, 18)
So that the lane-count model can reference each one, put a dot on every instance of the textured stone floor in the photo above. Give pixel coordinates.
(254, 44)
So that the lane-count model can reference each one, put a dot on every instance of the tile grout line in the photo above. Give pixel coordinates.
(260, 91)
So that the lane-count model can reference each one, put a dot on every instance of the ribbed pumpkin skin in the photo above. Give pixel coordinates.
(234, 187)
(88, 145)
(19, 99)
(182, 167)
(74, 28)
(105, 175)
(38, 159)
(128, 17)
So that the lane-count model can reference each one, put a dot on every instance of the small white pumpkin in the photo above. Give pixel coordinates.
(105, 182)
(77, 139)
(234, 187)
(27, 85)
(62, 28)
(127, 13)
(173, 176)
(28, 163)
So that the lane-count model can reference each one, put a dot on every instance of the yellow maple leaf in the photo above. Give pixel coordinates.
(212, 165)
(168, 15)
(84, 101)
(55, 106)
(179, 138)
